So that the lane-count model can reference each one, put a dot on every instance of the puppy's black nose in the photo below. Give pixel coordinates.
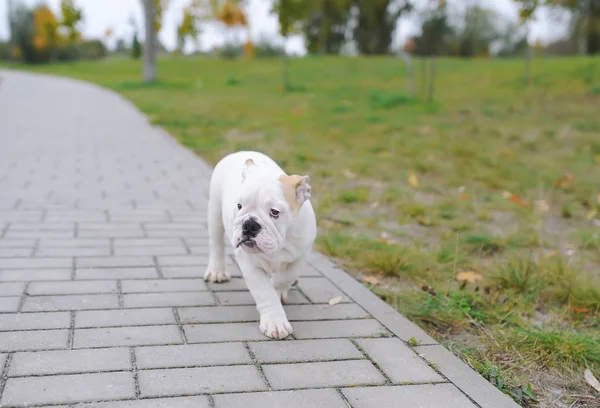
(251, 227)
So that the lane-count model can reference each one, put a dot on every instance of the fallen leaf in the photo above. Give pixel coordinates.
(580, 310)
(297, 111)
(384, 153)
(335, 300)
(506, 194)
(542, 206)
(468, 276)
(465, 196)
(412, 180)
(592, 214)
(518, 200)
(597, 158)
(349, 175)
(551, 254)
(374, 205)
(372, 280)
(565, 180)
(591, 380)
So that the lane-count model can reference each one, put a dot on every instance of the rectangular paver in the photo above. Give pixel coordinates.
(393, 357)
(219, 314)
(12, 288)
(116, 273)
(320, 290)
(34, 340)
(199, 401)
(21, 275)
(282, 399)
(34, 321)
(422, 396)
(304, 351)
(71, 288)
(9, 303)
(69, 361)
(126, 336)
(338, 328)
(70, 302)
(163, 285)
(34, 263)
(114, 261)
(207, 333)
(68, 388)
(185, 381)
(124, 317)
(245, 298)
(168, 299)
(192, 355)
(322, 374)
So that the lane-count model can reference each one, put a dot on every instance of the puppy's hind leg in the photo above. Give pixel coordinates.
(216, 271)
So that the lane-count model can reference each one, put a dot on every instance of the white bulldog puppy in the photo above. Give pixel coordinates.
(267, 217)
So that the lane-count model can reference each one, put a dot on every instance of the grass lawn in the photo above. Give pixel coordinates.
(476, 215)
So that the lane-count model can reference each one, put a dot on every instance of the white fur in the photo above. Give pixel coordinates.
(271, 267)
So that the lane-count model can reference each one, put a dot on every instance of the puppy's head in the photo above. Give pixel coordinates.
(266, 207)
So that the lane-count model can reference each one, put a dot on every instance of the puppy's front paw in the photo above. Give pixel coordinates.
(275, 328)
(216, 275)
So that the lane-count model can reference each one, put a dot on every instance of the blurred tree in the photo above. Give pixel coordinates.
(376, 23)
(152, 24)
(71, 16)
(159, 7)
(436, 32)
(121, 46)
(188, 28)
(326, 24)
(136, 47)
(476, 33)
(291, 14)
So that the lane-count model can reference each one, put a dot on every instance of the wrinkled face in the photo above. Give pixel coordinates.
(265, 209)
(262, 217)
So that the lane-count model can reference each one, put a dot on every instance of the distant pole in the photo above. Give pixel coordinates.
(150, 42)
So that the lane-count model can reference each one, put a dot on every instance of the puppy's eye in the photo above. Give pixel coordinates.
(274, 213)
(239, 206)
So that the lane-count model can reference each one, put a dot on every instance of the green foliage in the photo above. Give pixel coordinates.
(136, 47)
(290, 13)
(376, 23)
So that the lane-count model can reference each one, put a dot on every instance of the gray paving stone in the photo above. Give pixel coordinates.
(322, 374)
(42, 226)
(71, 287)
(69, 361)
(188, 260)
(40, 234)
(469, 381)
(124, 317)
(192, 355)
(320, 290)
(34, 263)
(9, 303)
(122, 243)
(71, 252)
(422, 395)
(15, 252)
(68, 388)
(325, 312)
(393, 357)
(185, 381)
(114, 262)
(208, 333)
(17, 243)
(338, 328)
(12, 288)
(183, 271)
(34, 340)
(245, 298)
(219, 314)
(3, 358)
(126, 336)
(75, 243)
(70, 302)
(282, 399)
(232, 285)
(304, 351)
(168, 299)
(200, 401)
(163, 285)
(21, 275)
(34, 321)
(116, 273)
(152, 250)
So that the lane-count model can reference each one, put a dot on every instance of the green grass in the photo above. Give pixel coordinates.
(416, 193)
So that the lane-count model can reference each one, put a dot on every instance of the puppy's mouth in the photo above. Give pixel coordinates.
(248, 242)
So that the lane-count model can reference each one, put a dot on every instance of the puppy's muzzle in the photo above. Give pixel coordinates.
(251, 228)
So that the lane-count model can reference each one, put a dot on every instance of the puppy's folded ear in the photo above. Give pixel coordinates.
(296, 190)
(249, 163)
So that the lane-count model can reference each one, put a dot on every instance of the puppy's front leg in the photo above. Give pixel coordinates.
(273, 321)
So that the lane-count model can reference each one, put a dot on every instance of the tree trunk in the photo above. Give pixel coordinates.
(150, 43)
(410, 75)
(528, 57)
(582, 35)
(11, 33)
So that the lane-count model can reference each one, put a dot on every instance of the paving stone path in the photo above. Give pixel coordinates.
(102, 304)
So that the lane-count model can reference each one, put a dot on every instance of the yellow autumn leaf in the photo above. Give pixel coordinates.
(592, 214)
(468, 276)
(372, 280)
(597, 158)
(412, 180)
